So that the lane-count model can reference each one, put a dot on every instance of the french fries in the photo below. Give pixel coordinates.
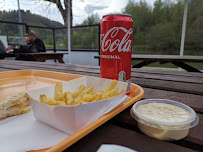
(58, 91)
(81, 96)
(111, 86)
(43, 98)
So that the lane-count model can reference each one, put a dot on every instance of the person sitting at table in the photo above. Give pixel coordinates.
(35, 41)
(33, 44)
(2, 50)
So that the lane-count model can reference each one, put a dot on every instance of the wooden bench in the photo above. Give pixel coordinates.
(174, 59)
(42, 56)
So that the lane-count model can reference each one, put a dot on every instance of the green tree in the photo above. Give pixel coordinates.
(168, 5)
(87, 38)
(141, 15)
(177, 15)
(158, 12)
(91, 20)
(194, 35)
(195, 10)
(162, 36)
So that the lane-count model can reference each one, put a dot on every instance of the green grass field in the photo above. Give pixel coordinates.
(59, 45)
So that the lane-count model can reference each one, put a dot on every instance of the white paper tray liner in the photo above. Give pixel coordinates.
(23, 133)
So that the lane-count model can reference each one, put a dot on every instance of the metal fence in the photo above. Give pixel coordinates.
(54, 29)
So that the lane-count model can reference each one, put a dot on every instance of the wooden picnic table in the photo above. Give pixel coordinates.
(42, 56)
(177, 60)
(122, 129)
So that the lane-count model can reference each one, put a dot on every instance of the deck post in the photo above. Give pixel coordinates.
(20, 21)
(54, 40)
(183, 29)
(99, 41)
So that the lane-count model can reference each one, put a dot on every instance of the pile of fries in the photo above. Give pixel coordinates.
(81, 96)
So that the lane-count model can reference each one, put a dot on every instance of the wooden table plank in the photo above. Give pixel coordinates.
(191, 88)
(142, 71)
(45, 63)
(194, 101)
(144, 82)
(168, 58)
(96, 69)
(56, 70)
(174, 73)
(168, 77)
(111, 134)
(149, 93)
(195, 134)
(43, 53)
(34, 65)
(43, 56)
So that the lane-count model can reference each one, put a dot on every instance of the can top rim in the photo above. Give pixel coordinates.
(118, 14)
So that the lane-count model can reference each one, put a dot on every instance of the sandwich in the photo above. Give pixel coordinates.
(14, 105)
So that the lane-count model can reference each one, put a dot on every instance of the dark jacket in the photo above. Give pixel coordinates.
(2, 50)
(39, 45)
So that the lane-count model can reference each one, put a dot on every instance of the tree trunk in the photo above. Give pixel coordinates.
(64, 13)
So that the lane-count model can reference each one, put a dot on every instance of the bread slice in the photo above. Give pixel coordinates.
(13, 111)
(14, 105)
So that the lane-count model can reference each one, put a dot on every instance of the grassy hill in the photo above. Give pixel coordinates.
(29, 18)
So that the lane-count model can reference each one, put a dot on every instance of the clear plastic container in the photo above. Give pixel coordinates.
(164, 130)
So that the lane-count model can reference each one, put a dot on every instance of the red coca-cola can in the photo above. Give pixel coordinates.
(116, 47)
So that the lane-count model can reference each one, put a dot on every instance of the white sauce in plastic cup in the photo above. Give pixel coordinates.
(164, 119)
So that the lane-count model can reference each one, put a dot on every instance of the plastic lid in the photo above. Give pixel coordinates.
(164, 125)
(118, 14)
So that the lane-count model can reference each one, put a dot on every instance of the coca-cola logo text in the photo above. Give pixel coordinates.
(122, 45)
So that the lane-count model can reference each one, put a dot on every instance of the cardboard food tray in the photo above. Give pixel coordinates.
(14, 82)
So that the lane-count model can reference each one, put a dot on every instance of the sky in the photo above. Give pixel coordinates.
(81, 8)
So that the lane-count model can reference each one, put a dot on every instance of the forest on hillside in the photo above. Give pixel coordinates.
(156, 30)
(160, 28)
